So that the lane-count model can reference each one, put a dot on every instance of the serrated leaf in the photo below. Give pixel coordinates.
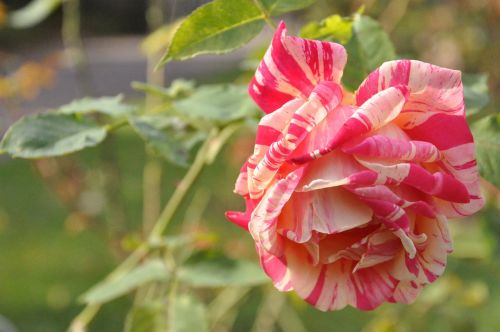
(217, 27)
(168, 136)
(218, 103)
(374, 44)
(215, 270)
(487, 138)
(152, 270)
(149, 317)
(278, 7)
(187, 314)
(33, 13)
(475, 92)
(355, 71)
(112, 106)
(159, 39)
(50, 134)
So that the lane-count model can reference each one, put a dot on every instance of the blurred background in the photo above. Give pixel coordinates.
(65, 224)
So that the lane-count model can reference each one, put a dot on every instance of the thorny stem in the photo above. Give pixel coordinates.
(264, 12)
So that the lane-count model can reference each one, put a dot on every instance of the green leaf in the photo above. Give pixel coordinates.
(218, 103)
(374, 43)
(217, 27)
(152, 270)
(335, 27)
(149, 317)
(50, 134)
(33, 13)
(278, 7)
(215, 270)
(475, 92)
(112, 106)
(168, 136)
(369, 47)
(187, 314)
(487, 138)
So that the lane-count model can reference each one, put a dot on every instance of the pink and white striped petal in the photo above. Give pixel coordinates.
(292, 67)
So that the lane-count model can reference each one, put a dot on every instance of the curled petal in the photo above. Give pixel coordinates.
(292, 67)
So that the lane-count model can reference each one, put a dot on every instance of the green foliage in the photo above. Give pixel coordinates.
(220, 104)
(224, 25)
(152, 270)
(278, 7)
(112, 106)
(487, 137)
(335, 27)
(33, 13)
(217, 27)
(369, 47)
(215, 270)
(169, 136)
(149, 317)
(475, 92)
(187, 314)
(179, 89)
(50, 134)
(375, 46)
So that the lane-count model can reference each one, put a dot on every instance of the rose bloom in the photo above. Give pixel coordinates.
(348, 197)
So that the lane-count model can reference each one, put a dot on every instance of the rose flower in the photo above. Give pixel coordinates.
(348, 197)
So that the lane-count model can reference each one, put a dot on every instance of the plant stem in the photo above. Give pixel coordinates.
(265, 13)
(191, 175)
(85, 317)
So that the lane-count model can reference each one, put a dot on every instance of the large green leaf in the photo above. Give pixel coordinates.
(278, 7)
(149, 317)
(168, 136)
(475, 92)
(152, 270)
(33, 13)
(112, 106)
(487, 137)
(374, 44)
(218, 103)
(187, 314)
(50, 134)
(217, 27)
(215, 270)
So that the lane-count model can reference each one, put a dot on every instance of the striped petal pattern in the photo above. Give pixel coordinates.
(348, 197)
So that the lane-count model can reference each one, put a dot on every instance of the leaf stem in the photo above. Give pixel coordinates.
(265, 13)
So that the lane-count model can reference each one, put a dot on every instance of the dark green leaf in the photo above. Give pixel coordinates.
(153, 270)
(33, 13)
(168, 136)
(217, 27)
(355, 71)
(112, 106)
(475, 92)
(278, 7)
(221, 104)
(487, 137)
(50, 134)
(374, 44)
(149, 317)
(215, 270)
(187, 314)
(368, 48)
